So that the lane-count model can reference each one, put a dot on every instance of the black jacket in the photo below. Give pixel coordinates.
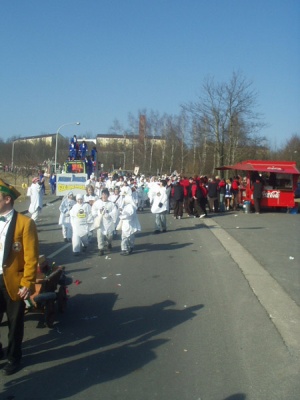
(178, 192)
(212, 189)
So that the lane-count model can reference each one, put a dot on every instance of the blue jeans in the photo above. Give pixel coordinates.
(222, 205)
(161, 221)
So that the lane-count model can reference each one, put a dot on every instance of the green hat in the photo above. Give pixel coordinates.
(9, 190)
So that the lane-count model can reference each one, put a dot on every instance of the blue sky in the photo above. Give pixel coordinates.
(95, 61)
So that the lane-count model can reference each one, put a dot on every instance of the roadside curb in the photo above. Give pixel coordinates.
(281, 308)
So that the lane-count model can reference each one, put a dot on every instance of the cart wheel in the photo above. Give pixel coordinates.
(62, 299)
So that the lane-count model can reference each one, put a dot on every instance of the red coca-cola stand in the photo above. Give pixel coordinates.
(279, 179)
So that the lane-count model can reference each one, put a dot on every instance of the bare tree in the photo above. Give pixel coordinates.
(226, 112)
(291, 150)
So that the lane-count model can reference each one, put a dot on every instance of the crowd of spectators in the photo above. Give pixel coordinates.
(196, 196)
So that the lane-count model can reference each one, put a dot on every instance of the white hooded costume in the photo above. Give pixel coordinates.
(159, 206)
(64, 218)
(158, 199)
(81, 221)
(142, 196)
(108, 213)
(130, 225)
(35, 193)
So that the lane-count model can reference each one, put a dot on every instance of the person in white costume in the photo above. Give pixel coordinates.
(91, 180)
(81, 221)
(134, 195)
(142, 197)
(125, 189)
(159, 206)
(90, 196)
(130, 225)
(118, 200)
(152, 184)
(108, 213)
(99, 186)
(35, 192)
(64, 219)
(110, 183)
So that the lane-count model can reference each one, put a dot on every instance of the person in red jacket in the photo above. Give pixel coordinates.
(200, 198)
(193, 196)
(185, 183)
(222, 191)
(202, 194)
(235, 192)
(190, 202)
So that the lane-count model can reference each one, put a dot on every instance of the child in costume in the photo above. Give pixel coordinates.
(129, 225)
(64, 219)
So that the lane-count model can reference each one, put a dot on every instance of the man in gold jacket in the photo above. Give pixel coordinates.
(18, 264)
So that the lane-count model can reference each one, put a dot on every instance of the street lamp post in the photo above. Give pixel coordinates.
(56, 140)
(124, 145)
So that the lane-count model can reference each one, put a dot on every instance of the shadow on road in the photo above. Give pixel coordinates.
(96, 344)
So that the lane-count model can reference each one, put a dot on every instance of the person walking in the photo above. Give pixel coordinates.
(64, 219)
(19, 256)
(35, 192)
(107, 213)
(191, 200)
(228, 194)
(130, 225)
(200, 200)
(52, 183)
(213, 195)
(235, 192)
(185, 184)
(81, 221)
(160, 203)
(90, 197)
(142, 197)
(178, 196)
(222, 192)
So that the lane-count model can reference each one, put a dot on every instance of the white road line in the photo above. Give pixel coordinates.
(59, 251)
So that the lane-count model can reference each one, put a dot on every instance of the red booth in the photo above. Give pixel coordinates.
(279, 179)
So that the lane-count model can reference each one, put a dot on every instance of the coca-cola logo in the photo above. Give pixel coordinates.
(274, 194)
(274, 168)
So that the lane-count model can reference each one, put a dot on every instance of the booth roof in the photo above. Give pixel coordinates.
(283, 167)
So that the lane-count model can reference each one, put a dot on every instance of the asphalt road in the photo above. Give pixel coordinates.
(206, 311)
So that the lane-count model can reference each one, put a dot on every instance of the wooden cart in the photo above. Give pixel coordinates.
(50, 292)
